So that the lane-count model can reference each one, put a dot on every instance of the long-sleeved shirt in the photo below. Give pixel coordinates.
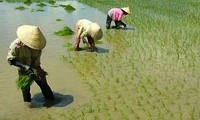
(23, 54)
(116, 14)
(83, 28)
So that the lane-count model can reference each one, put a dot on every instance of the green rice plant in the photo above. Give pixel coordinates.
(58, 19)
(39, 10)
(69, 46)
(124, 116)
(192, 114)
(114, 105)
(98, 42)
(28, 2)
(64, 32)
(68, 8)
(41, 4)
(97, 81)
(20, 8)
(149, 113)
(181, 113)
(24, 81)
(52, 2)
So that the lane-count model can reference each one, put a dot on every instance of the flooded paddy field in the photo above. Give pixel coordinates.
(150, 71)
(64, 80)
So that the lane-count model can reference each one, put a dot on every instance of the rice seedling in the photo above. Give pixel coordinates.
(69, 46)
(58, 19)
(20, 8)
(24, 81)
(68, 8)
(64, 32)
(28, 2)
(39, 10)
(52, 2)
(41, 5)
(98, 42)
(124, 116)
(49, 117)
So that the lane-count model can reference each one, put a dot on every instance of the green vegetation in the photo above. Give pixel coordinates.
(65, 32)
(68, 8)
(20, 8)
(28, 2)
(69, 46)
(51, 2)
(39, 10)
(98, 42)
(58, 19)
(41, 4)
(23, 82)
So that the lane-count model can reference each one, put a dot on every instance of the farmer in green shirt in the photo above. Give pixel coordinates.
(25, 52)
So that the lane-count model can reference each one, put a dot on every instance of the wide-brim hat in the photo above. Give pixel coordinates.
(126, 9)
(31, 36)
(95, 31)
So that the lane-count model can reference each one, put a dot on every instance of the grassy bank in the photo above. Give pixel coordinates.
(152, 72)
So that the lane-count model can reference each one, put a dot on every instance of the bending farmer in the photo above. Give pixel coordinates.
(89, 30)
(25, 52)
(115, 14)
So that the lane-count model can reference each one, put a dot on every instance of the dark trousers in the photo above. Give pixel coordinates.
(46, 90)
(108, 22)
(117, 23)
(91, 41)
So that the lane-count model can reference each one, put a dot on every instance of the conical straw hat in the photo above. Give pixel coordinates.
(126, 9)
(95, 31)
(31, 36)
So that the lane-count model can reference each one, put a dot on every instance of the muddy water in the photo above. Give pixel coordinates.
(64, 80)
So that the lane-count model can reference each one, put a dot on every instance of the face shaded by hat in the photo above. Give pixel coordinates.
(31, 36)
(126, 9)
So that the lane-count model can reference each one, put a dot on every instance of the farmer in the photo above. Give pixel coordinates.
(24, 53)
(115, 14)
(87, 29)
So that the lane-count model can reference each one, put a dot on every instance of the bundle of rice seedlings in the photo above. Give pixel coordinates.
(24, 81)
(20, 8)
(28, 2)
(41, 4)
(68, 8)
(64, 32)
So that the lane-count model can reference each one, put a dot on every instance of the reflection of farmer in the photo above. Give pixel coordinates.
(86, 28)
(115, 14)
(25, 52)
